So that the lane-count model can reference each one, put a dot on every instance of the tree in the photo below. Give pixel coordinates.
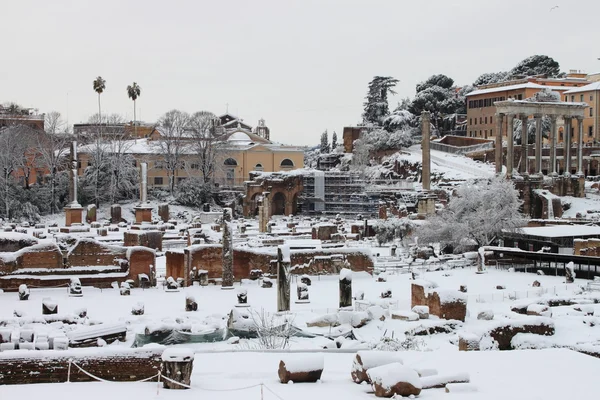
(324, 143)
(334, 142)
(537, 65)
(439, 80)
(477, 215)
(134, 91)
(204, 145)
(491, 77)
(53, 148)
(173, 143)
(12, 156)
(376, 106)
(99, 86)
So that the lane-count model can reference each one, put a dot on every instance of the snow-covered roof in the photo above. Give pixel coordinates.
(587, 88)
(239, 136)
(557, 231)
(528, 85)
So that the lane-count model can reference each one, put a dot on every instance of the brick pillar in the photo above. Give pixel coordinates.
(538, 144)
(498, 145)
(553, 129)
(426, 135)
(510, 151)
(580, 147)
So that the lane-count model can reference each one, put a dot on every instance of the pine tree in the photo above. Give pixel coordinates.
(333, 141)
(324, 143)
(376, 106)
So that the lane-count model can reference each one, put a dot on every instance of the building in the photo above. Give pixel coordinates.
(588, 94)
(237, 152)
(14, 115)
(83, 132)
(480, 103)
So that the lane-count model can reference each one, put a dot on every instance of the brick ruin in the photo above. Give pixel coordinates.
(94, 263)
(208, 257)
(452, 307)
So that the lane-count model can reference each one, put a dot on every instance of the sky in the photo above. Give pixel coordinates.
(303, 66)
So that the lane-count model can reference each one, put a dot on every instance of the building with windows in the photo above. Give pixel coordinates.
(232, 151)
(480, 103)
(588, 94)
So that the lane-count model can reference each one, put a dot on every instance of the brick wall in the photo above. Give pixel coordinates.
(142, 260)
(88, 252)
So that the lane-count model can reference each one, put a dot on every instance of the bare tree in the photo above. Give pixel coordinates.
(53, 147)
(204, 145)
(12, 154)
(174, 142)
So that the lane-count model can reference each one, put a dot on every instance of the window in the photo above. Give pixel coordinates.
(258, 167)
(486, 120)
(286, 164)
(480, 120)
(581, 98)
(195, 166)
(230, 162)
(572, 98)
(491, 132)
(591, 112)
(158, 180)
(485, 133)
(590, 131)
(591, 97)
(491, 122)
(566, 98)
(78, 164)
(470, 121)
(158, 165)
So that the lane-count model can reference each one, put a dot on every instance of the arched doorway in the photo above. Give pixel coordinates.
(254, 204)
(278, 204)
(229, 165)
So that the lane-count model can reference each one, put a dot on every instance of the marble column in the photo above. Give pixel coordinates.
(510, 152)
(553, 128)
(524, 140)
(580, 146)
(538, 144)
(426, 135)
(498, 145)
(567, 146)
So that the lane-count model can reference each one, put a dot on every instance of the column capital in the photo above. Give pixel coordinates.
(579, 118)
(536, 116)
(567, 118)
(552, 117)
(500, 115)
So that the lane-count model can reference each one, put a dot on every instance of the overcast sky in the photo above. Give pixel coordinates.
(303, 66)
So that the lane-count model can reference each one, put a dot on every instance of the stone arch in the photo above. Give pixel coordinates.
(278, 205)
(254, 204)
(286, 164)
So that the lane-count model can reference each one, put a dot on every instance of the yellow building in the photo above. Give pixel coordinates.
(588, 94)
(237, 149)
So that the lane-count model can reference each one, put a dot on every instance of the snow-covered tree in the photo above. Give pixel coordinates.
(537, 65)
(491, 77)
(324, 143)
(334, 142)
(439, 80)
(376, 104)
(400, 119)
(173, 144)
(208, 156)
(392, 228)
(480, 211)
(194, 192)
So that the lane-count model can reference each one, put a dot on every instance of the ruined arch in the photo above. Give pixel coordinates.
(278, 204)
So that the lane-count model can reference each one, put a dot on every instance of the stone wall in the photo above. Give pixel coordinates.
(37, 256)
(12, 241)
(151, 239)
(89, 252)
(444, 304)
(127, 365)
(142, 260)
(208, 257)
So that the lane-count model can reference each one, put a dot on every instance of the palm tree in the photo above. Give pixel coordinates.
(134, 91)
(99, 86)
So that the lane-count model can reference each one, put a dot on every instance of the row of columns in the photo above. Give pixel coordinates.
(524, 166)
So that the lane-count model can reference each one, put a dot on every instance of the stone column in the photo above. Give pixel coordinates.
(510, 150)
(538, 144)
(498, 145)
(553, 129)
(567, 146)
(144, 183)
(524, 139)
(426, 135)
(580, 146)
(227, 254)
(345, 288)
(283, 279)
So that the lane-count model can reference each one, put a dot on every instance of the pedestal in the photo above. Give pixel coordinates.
(73, 215)
(143, 214)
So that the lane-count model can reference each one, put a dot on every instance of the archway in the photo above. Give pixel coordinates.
(254, 204)
(286, 164)
(278, 204)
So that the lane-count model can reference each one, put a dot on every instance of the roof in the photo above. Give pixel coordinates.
(528, 85)
(557, 231)
(587, 88)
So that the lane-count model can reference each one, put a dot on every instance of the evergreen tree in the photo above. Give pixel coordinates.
(537, 65)
(333, 141)
(324, 143)
(376, 106)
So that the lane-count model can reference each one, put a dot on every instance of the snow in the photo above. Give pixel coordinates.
(460, 388)
(528, 85)
(587, 88)
(346, 274)
(436, 380)
(374, 358)
(178, 354)
(390, 374)
(557, 231)
(303, 362)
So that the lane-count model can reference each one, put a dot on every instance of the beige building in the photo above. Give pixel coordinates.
(588, 94)
(238, 151)
(480, 103)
